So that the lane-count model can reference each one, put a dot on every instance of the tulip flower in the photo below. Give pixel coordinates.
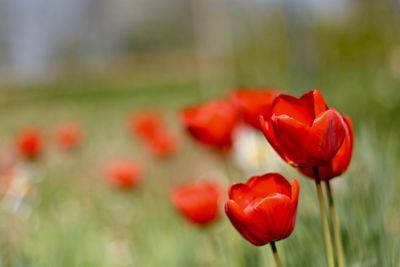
(304, 132)
(69, 135)
(125, 174)
(162, 144)
(145, 124)
(154, 133)
(253, 103)
(198, 202)
(309, 135)
(340, 162)
(264, 209)
(29, 143)
(211, 123)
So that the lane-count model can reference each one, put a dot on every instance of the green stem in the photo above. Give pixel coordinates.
(277, 259)
(336, 227)
(324, 217)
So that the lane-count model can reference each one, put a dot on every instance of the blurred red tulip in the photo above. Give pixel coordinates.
(198, 202)
(154, 133)
(304, 132)
(146, 124)
(29, 143)
(69, 135)
(340, 162)
(264, 209)
(253, 103)
(162, 144)
(211, 123)
(125, 174)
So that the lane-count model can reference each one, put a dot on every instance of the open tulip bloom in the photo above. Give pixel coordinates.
(316, 139)
(264, 209)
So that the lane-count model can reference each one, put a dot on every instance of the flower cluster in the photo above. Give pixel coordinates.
(305, 132)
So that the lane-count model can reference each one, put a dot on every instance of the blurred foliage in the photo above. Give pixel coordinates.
(78, 220)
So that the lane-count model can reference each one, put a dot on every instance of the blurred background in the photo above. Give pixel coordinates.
(98, 61)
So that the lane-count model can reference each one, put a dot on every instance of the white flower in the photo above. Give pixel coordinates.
(253, 154)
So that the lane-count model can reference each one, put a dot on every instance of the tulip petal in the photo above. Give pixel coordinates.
(290, 135)
(240, 221)
(310, 146)
(259, 187)
(212, 123)
(267, 129)
(272, 218)
(340, 162)
(198, 202)
(295, 191)
(268, 184)
(241, 194)
(329, 131)
(294, 108)
(315, 100)
(253, 103)
(349, 124)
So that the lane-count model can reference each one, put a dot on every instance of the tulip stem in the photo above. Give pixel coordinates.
(277, 259)
(324, 216)
(336, 227)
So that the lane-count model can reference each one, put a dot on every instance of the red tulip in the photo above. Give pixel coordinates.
(198, 202)
(253, 103)
(211, 123)
(146, 124)
(29, 143)
(125, 174)
(69, 135)
(264, 209)
(154, 133)
(162, 144)
(340, 162)
(304, 132)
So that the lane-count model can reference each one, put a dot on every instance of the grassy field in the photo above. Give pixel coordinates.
(79, 220)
